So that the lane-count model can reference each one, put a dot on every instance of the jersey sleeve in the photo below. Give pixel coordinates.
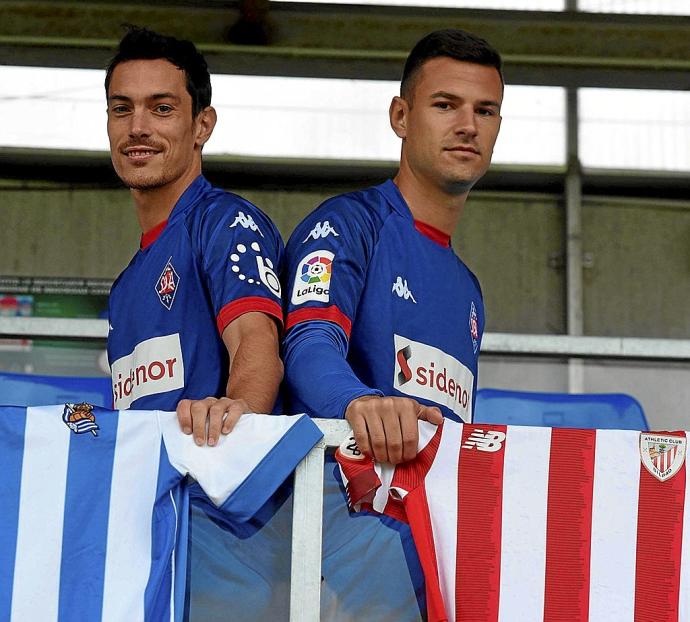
(318, 377)
(241, 255)
(247, 466)
(326, 262)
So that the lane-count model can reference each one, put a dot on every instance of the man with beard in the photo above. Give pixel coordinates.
(196, 315)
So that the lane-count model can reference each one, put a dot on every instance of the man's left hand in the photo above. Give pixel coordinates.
(210, 417)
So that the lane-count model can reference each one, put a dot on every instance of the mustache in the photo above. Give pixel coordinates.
(141, 143)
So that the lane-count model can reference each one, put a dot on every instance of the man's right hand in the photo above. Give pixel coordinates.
(386, 427)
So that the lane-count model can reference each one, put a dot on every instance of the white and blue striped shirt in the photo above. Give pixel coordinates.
(93, 521)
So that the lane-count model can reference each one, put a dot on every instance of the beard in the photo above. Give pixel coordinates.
(144, 181)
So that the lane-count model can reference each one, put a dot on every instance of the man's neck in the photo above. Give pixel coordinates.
(154, 206)
(430, 204)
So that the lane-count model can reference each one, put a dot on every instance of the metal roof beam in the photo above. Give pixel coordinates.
(348, 41)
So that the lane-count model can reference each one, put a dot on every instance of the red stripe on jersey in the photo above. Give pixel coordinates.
(152, 235)
(480, 498)
(410, 475)
(328, 314)
(234, 309)
(419, 517)
(362, 479)
(569, 525)
(659, 542)
(434, 234)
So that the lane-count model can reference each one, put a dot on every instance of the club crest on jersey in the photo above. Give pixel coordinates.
(321, 230)
(313, 278)
(247, 222)
(662, 455)
(474, 328)
(167, 285)
(251, 267)
(80, 418)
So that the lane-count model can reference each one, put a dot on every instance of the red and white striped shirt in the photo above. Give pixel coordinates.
(518, 523)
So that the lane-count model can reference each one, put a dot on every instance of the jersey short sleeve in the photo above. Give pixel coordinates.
(326, 261)
(241, 253)
(245, 468)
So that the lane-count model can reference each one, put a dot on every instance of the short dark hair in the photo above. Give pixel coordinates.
(453, 43)
(144, 44)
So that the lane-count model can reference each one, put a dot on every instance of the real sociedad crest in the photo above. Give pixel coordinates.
(662, 455)
(80, 418)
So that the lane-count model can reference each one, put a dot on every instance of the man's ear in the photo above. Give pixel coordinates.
(205, 121)
(397, 114)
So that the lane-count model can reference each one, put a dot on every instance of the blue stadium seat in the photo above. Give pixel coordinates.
(560, 410)
(31, 390)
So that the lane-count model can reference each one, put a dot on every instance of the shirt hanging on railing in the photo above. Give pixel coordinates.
(94, 506)
(518, 523)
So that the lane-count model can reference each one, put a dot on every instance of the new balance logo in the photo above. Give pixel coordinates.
(402, 290)
(321, 230)
(247, 222)
(485, 441)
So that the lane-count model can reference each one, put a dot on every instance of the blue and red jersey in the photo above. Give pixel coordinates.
(368, 284)
(214, 259)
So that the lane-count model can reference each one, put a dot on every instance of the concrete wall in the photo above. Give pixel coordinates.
(638, 284)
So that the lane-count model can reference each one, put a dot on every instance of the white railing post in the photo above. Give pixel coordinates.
(307, 524)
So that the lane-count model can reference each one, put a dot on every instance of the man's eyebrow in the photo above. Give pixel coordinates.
(452, 97)
(164, 96)
(155, 96)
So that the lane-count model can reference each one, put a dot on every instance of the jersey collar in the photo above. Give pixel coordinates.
(392, 194)
(189, 197)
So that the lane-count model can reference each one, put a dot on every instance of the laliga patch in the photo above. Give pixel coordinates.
(474, 328)
(313, 278)
(662, 455)
(167, 285)
(250, 266)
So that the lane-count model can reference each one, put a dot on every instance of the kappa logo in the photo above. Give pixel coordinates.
(321, 230)
(167, 285)
(402, 290)
(246, 221)
(80, 418)
(662, 455)
(485, 441)
(253, 268)
(474, 328)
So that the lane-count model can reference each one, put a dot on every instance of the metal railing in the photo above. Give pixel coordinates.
(492, 343)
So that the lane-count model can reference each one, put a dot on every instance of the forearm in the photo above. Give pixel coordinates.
(255, 374)
(317, 373)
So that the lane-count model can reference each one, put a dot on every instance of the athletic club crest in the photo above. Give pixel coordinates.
(662, 455)
(167, 284)
(80, 418)
(474, 328)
